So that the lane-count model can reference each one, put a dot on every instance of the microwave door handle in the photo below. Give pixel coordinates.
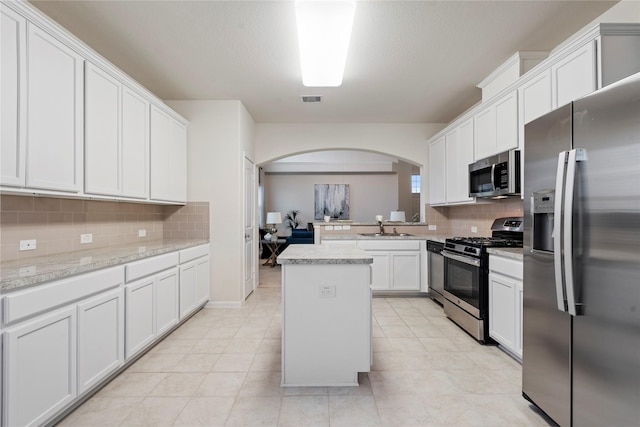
(557, 227)
(575, 156)
(493, 177)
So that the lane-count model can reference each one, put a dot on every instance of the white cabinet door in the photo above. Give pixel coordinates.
(507, 122)
(437, 172)
(534, 98)
(13, 89)
(100, 338)
(102, 132)
(502, 310)
(135, 144)
(167, 313)
(484, 128)
(380, 270)
(459, 154)
(202, 280)
(575, 75)
(54, 113)
(518, 316)
(168, 157)
(405, 270)
(187, 288)
(140, 315)
(40, 367)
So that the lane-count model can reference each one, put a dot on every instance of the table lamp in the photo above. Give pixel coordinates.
(273, 218)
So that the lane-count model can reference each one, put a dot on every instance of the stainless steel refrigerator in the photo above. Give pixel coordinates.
(581, 327)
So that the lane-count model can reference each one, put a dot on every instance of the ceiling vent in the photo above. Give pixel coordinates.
(313, 98)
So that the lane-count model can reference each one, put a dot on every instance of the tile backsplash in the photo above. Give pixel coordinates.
(56, 224)
(459, 220)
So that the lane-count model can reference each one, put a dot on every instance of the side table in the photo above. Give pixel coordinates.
(273, 246)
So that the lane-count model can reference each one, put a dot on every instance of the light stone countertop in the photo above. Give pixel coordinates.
(19, 274)
(513, 253)
(355, 236)
(324, 254)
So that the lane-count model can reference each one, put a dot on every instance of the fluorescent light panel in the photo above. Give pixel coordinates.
(324, 30)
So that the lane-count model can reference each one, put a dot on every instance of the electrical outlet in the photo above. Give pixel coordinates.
(86, 238)
(27, 271)
(474, 229)
(433, 227)
(346, 227)
(27, 245)
(327, 291)
(142, 233)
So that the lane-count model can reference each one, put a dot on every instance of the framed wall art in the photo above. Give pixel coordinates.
(331, 200)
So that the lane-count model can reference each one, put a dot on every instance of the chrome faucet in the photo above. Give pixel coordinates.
(381, 227)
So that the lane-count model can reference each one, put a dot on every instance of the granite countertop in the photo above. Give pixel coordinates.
(324, 254)
(356, 236)
(372, 223)
(32, 271)
(513, 253)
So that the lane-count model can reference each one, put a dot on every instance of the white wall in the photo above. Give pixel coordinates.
(370, 195)
(219, 133)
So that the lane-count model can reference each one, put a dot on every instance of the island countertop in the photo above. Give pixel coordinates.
(323, 254)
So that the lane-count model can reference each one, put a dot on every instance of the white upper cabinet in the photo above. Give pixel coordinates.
(459, 154)
(135, 144)
(54, 113)
(437, 170)
(116, 137)
(80, 132)
(102, 132)
(168, 157)
(13, 60)
(496, 127)
(574, 76)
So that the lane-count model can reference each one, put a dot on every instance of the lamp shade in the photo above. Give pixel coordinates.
(274, 218)
(397, 216)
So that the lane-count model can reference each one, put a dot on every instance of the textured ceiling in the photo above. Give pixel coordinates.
(409, 61)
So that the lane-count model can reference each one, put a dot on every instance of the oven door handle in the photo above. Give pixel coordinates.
(461, 258)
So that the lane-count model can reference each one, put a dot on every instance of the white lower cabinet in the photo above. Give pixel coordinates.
(100, 338)
(140, 315)
(40, 367)
(398, 265)
(194, 285)
(505, 303)
(167, 314)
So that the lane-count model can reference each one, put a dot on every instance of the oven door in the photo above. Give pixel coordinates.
(463, 281)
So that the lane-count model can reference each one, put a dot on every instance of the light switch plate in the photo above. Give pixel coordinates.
(142, 233)
(474, 229)
(433, 227)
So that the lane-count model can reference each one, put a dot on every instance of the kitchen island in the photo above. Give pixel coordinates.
(326, 315)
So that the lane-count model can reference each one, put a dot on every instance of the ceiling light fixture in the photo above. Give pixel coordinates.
(324, 30)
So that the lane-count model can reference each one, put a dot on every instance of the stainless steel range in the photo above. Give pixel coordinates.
(466, 275)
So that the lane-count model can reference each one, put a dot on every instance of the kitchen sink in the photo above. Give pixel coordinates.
(385, 234)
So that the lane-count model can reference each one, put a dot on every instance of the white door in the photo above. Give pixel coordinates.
(250, 252)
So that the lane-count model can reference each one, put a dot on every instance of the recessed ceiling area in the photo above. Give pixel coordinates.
(408, 61)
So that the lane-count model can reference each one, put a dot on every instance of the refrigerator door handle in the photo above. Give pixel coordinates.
(557, 227)
(575, 156)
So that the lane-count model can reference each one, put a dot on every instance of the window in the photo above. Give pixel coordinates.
(415, 184)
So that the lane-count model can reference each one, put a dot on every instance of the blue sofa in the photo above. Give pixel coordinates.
(300, 236)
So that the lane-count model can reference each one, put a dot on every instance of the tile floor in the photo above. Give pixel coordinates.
(222, 368)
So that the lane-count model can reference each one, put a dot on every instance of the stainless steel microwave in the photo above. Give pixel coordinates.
(495, 176)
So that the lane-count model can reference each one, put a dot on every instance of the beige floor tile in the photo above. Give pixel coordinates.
(233, 362)
(221, 384)
(391, 320)
(400, 331)
(205, 411)
(267, 362)
(353, 410)
(438, 344)
(132, 384)
(214, 346)
(174, 345)
(197, 362)
(156, 411)
(255, 411)
(243, 345)
(262, 384)
(402, 410)
(405, 345)
(216, 332)
(156, 362)
(178, 384)
(304, 411)
(270, 345)
(102, 411)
